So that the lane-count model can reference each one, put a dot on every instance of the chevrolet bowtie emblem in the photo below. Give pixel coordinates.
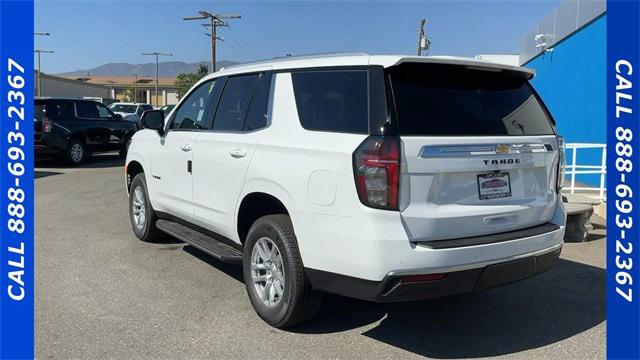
(502, 149)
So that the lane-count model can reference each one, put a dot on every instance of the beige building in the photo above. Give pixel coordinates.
(136, 89)
(56, 86)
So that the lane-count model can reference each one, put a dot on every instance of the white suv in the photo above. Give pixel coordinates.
(386, 178)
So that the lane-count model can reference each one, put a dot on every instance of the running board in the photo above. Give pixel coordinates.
(208, 244)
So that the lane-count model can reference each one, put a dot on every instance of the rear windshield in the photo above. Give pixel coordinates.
(444, 100)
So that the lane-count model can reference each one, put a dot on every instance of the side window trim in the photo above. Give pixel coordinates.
(262, 75)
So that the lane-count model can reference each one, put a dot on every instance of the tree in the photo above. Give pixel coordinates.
(185, 81)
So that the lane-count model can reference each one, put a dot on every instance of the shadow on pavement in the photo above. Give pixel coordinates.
(558, 304)
(235, 271)
(40, 174)
(593, 237)
(563, 302)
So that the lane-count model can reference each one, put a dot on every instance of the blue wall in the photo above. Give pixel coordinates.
(571, 81)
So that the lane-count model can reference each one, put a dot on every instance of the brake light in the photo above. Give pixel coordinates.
(47, 125)
(376, 166)
(562, 163)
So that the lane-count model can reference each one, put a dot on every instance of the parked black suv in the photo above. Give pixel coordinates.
(74, 128)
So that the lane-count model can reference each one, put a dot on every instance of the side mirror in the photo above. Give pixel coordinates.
(154, 120)
(117, 117)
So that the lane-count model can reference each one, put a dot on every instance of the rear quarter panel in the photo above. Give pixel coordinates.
(309, 171)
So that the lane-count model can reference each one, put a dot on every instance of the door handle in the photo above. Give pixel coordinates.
(186, 147)
(237, 153)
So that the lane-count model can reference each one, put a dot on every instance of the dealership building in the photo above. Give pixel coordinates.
(568, 51)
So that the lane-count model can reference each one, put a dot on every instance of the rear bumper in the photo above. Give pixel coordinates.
(49, 144)
(371, 244)
(394, 288)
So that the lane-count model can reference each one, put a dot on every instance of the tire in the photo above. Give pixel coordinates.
(292, 301)
(76, 152)
(143, 218)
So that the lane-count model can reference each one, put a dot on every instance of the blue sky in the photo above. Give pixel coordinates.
(85, 34)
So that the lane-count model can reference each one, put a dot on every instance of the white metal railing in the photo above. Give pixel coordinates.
(573, 168)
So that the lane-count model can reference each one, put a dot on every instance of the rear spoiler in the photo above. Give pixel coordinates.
(481, 65)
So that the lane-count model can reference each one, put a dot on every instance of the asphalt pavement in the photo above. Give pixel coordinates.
(102, 293)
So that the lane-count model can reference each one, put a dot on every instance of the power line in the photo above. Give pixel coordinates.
(240, 47)
(241, 41)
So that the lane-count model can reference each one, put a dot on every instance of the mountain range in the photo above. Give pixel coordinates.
(165, 69)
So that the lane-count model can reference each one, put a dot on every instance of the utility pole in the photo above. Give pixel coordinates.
(38, 51)
(135, 88)
(215, 21)
(38, 82)
(157, 55)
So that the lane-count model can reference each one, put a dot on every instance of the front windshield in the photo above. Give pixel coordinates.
(127, 109)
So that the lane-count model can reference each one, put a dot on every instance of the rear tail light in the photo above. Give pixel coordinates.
(562, 163)
(376, 166)
(47, 125)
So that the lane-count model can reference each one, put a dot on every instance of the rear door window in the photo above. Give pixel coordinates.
(87, 110)
(234, 103)
(332, 100)
(443, 100)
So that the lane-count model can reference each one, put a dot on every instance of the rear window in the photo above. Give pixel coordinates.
(442, 100)
(332, 100)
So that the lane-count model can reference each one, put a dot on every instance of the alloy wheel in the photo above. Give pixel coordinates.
(76, 152)
(267, 272)
(138, 205)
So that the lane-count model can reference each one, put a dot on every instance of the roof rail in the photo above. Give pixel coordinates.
(295, 57)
